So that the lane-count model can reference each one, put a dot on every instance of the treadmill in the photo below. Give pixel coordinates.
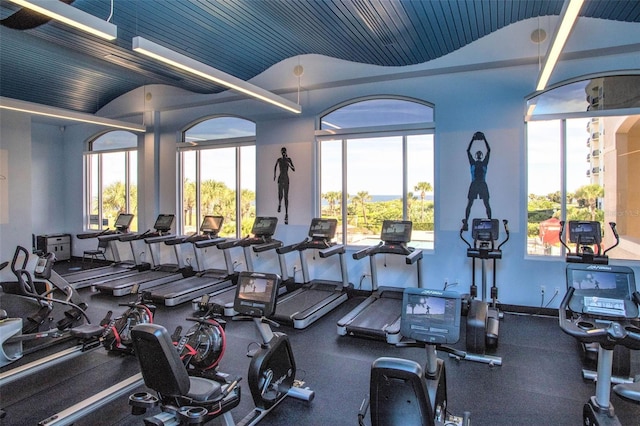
(378, 316)
(106, 238)
(261, 241)
(314, 298)
(147, 276)
(205, 280)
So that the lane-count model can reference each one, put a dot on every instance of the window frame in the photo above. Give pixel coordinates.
(344, 135)
(562, 118)
(87, 173)
(203, 145)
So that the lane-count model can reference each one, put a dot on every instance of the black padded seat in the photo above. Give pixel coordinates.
(399, 394)
(203, 389)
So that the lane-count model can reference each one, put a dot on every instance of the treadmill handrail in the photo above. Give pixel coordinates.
(116, 236)
(95, 234)
(177, 239)
(291, 247)
(367, 251)
(414, 256)
(330, 251)
(227, 244)
(159, 239)
(208, 243)
(132, 236)
(269, 245)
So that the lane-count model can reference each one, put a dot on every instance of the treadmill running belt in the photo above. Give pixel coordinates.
(377, 317)
(302, 301)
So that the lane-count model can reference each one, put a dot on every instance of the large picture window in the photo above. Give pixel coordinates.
(217, 164)
(583, 162)
(111, 177)
(376, 159)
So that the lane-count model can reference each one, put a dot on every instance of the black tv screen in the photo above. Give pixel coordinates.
(431, 316)
(485, 229)
(585, 232)
(264, 226)
(396, 231)
(164, 222)
(256, 294)
(211, 224)
(123, 221)
(323, 228)
(598, 287)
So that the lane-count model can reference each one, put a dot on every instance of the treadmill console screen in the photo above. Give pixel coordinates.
(485, 229)
(584, 232)
(396, 231)
(602, 290)
(123, 221)
(163, 222)
(323, 228)
(211, 224)
(256, 294)
(264, 226)
(431, 316)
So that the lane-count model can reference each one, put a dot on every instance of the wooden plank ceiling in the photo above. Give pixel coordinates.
(54, 65)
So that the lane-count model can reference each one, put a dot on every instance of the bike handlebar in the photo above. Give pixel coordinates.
(613, 333)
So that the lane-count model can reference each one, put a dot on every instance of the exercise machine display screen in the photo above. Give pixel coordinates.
(264, 226)
(123, 221)
(323, 228)
(211, 224)
(485, 229)
(256, 294)
(602, 290)
(164, 222)
(431, 316)
(396, 231)
(584, 232)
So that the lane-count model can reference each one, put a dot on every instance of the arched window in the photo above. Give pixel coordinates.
(583, 162)
(217, 167)
(376, 162)
(111, 176)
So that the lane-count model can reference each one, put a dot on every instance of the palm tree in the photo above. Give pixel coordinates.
(590, 194)
(332, 198)
(114, 200)
(188, 200)
(410, 199)
(212, 194)
(423, 187)
(361, 198)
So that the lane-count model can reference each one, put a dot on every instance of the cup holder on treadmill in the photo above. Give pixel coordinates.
(632, 329)
(585, 325)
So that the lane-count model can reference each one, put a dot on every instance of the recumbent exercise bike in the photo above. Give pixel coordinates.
(404, 393)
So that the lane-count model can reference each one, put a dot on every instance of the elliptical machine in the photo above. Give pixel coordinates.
(402, 392)
(602, 301)
(483, 318)
(272, 371)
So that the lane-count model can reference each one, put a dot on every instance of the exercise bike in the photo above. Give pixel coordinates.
(402, 392)
(183, 370)
(587, 238)
(483, 318)
(115, 333)
(272, 371)
(602, 302)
